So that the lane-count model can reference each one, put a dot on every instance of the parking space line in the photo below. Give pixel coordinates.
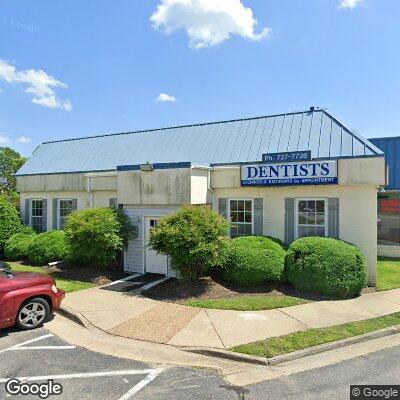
(21, 346)
(139, 386)
(151, 374)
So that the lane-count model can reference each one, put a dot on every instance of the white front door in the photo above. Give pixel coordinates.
(155, 263)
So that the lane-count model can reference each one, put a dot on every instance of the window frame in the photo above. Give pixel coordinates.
(59, 210)
(296, 228)
(31, 214)
(242, 223)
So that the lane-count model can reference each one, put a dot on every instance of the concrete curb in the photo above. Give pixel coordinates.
(78, 318)
(296, 354)
(74, 316)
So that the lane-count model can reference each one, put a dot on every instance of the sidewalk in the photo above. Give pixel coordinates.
(140, 318)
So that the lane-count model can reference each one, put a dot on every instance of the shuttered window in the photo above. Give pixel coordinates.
(36, 215)
(241, 217)
(311, 217)
(65, 207)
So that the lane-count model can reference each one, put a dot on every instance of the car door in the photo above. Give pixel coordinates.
(6, 301)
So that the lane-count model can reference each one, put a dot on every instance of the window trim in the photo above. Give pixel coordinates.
(298, 199)
(30, 212)
(59, 209)
(252, 211)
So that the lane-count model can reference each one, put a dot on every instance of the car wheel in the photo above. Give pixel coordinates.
(33, 314)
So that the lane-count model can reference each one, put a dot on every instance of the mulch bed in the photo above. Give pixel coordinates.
(96, 276)
(213, 288)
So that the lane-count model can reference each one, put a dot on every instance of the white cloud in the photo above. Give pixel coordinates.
(1, 90)
(4, 140)
(24, 139)
(38, 83)
(350, 3)
(207, 22)
(164, 98)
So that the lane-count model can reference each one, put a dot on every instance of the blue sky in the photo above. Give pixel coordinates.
(105, 63)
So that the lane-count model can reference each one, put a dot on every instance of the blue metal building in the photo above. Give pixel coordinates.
(391, 147)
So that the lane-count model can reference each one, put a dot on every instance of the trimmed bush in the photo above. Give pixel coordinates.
(193, 237)
(97, 236)
(253, 261)
(10, 222)
(17, 246)
(47, 247)
(327, 266)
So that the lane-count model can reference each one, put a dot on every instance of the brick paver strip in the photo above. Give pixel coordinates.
(159, 324)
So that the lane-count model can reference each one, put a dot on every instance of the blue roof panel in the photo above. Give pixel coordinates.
(203, 144)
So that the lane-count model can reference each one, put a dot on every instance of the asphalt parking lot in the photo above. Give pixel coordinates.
(37, 356)
(83, 374)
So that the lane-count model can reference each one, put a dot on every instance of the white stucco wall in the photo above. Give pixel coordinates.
(358, 181)
(199, 185)
(160, 186)
(357, 212)
(100, 199)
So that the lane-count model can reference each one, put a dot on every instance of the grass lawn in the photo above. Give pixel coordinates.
(68, 285)
(312, 337)
(388, 273)
(247, 303)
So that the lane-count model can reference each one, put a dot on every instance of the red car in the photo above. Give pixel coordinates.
(27, 299)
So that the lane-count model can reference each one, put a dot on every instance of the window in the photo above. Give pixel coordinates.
(311, 217)
(389, 218)
(241, 217)
(113, 203)
(65, 207)
(36, 215)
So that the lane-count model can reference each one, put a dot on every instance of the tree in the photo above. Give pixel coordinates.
(10, 162)
(10, 222)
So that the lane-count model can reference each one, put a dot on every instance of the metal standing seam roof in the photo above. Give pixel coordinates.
(234, 141)
(391, 147)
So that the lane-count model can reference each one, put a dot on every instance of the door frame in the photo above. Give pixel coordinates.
(144, 228)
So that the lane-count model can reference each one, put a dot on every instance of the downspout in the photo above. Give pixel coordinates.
(89, 189)
(210, 189)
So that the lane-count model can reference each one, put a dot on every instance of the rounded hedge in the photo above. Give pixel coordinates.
(47, 247)
(16, 247)
(327, 266)
(97, 236)
(193, 237)
(10, 223)
(253, 260)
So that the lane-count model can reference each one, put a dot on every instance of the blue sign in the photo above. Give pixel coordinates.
(321, 172)
(287, 156)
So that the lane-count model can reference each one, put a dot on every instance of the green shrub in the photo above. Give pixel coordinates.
(47, 247)
(253, 260)
(10, 221)
(17, 246)
(327, 266)
(193, 237)
(27, 230)
(97, 236)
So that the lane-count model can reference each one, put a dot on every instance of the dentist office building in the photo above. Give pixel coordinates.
(287, 176)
